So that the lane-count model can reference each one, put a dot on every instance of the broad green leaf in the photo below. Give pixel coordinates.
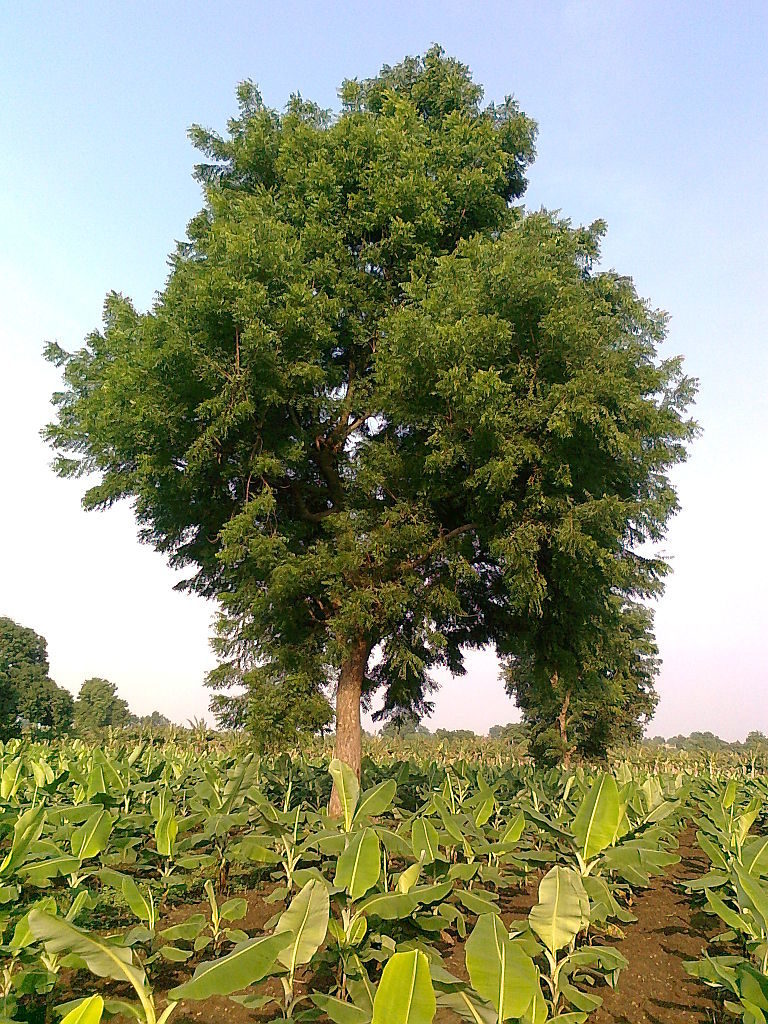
(739, 922)
(26, 831)
(307, 921)
(357, 931)
(186, 931)
(253, 1002)
(500, 972)
(468, 1006)
(605, 957)
(38, 872)
(82, 899)
(730, 794)
(340, 1012)
(477, 901)
(635, 862)
(484, 811)
(22, 935)
(754, 856)
(598, 818)
(409, 877)
(139, 904)
(347, 787)
(562, 910)
(359, 866)
(424, 840)
(248, 963)
(166, 830)
(254, 848)
(174, 954)
(746, 820)
(92, 836)
(394, 844)
(390, 906)
(10, 779)
(663, 811)
(426, 894)
(754, 894)
(515, 829)
(88, 1012)
(234, 909)
(715, 970)
(450, 821)
(537, 1011)
(8, 893)
(405, 994)
(753, 988)
(361, 990)
(712, 850)
(103, 958)
(376, 800)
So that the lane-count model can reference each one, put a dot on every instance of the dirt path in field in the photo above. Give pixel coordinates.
(655, 987)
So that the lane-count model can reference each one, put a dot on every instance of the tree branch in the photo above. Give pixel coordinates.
(304, 512)
(441, 540)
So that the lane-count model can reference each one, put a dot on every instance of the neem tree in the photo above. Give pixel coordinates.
(27, 693)
(377, 407)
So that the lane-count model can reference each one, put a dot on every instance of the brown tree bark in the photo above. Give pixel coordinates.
(562, 724)
(348, 745)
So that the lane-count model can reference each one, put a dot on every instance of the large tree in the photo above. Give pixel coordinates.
(375, 396)
(27, 693)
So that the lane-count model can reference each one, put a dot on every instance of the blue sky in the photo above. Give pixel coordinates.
(651, 116)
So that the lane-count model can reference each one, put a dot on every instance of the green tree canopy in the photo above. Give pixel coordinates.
(277, 713)
(583, 672)
(98, 707)
(27, 693)
(154, 721)
(404, 725)
(376, 406)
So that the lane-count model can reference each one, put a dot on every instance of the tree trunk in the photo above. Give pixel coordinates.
(348, 745)
(562, 724)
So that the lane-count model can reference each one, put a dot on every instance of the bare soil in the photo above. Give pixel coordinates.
(655, 987)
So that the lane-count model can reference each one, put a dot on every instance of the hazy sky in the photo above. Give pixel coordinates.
(651, 115)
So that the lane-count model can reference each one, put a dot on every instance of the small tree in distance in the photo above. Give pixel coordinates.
(98, 707)
(403, 726)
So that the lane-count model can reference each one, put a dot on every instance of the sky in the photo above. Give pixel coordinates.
(652, 115)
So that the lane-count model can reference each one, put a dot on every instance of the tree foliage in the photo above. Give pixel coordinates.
(404, 725)
(27, 693)
(155, 720)
(276, 713)
(378, 407)
(588, 689)
(98, 707)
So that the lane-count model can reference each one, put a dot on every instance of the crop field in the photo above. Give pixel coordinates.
(184, 881)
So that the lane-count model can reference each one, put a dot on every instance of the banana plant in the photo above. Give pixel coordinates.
(405, 995)
(26, 831)
(561, 913)
(299, 933)
(738, 978)
(501, 972)
(104, 958)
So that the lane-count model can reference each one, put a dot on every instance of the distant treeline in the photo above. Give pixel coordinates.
(708, 741)
(30, 700)
(518, 734)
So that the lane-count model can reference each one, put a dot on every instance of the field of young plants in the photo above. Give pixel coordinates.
(187, 881)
